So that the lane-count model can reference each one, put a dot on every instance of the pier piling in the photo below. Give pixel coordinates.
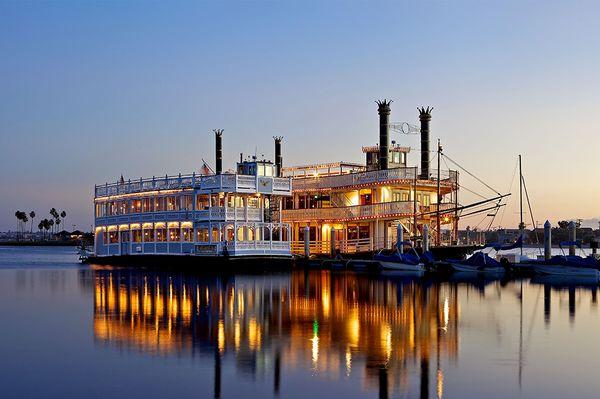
(547, 240)
(425, 238)
(400, 237)
(307, 242)
(572, 237)
(332, 242)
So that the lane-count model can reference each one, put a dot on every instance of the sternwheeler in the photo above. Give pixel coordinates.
(197, 217)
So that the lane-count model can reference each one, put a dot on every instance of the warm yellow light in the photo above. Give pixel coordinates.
(221, 336)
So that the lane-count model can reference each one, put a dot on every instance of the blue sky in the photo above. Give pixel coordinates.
(92, 90)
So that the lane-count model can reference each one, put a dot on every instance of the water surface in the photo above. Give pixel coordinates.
(78, 331)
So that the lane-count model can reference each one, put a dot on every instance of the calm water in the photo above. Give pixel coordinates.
(71, 331)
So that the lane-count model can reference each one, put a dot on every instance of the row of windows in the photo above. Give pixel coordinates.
(174, 203)
(186, 234)
(310, 201)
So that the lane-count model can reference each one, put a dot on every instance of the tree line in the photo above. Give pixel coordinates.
(46, 226)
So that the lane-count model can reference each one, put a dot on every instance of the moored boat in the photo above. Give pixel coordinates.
(568, 266)
(410, 261)
(478, 263)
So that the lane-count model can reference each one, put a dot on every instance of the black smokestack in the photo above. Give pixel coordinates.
(278, 156)
(425, 118)
(384, 116)
(218, 151)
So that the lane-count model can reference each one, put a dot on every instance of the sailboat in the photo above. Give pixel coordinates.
(563, 265)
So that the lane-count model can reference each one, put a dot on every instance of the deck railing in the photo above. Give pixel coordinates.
(349, 246)
(371, 177)
(227, 182)
(350, 212)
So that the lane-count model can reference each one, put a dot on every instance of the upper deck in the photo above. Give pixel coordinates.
(448, 178)
(206, 183)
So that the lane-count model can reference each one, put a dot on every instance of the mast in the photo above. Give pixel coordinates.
(439, 225)
(521, 224)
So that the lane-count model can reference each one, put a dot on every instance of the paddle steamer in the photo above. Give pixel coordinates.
(214, 215)
(362, 204)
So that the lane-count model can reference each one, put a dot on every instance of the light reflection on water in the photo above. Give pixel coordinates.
(143, 333)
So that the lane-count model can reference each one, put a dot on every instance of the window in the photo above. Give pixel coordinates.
(173, 203)
(161, 232)
(202, 235)
(136, 206)
(159, 204)
(288, 203)
(426, 200)
(187, 233)
(187, 202)
(147, 205)
(148, 233)
(174, 233)
(253, 202)
(240, 233)
(136, 235)
(215, 235)
(302, 202)
(202, 201)
(229, 233)
(113, 237)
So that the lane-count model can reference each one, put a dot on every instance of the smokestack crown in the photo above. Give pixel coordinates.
(384, 110)
(425, 118)
(218, 151)
(278, 156)
(384, 106)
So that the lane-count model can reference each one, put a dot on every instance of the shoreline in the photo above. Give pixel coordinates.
(39, 243)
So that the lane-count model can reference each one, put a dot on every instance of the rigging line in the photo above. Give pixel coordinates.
(482, 210)
(471, 174)
(472, 192)
(537, 239)
(512, 181)
(464, 187)
(493, 217)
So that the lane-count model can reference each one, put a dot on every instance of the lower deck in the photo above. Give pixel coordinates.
(226, 239)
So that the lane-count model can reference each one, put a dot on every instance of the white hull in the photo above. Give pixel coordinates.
(562, 270)
(402, 266)
(459, 267)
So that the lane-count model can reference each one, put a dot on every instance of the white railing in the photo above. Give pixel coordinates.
(375, 176)
(349, 212)
(345, 246)
(227, 182)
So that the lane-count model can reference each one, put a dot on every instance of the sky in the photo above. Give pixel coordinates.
(91, 90)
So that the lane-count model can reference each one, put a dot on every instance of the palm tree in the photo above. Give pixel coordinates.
(53, 212)
(40, 226)
(47, 226)
(51, 224)
(63, 215)
(32, 216)
(18, 216)
(58, 225)
(21, 221)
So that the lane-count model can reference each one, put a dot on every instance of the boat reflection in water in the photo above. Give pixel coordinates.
(378, 330)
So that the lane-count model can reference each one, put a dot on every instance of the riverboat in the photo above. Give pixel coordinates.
(200, 215)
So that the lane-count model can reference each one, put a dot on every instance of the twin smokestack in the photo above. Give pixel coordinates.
(219, 153)
(384, 110)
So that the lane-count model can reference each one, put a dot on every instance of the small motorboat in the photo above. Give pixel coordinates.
(565, 265)
(409, 261)
(478, 263)
(568, 265)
